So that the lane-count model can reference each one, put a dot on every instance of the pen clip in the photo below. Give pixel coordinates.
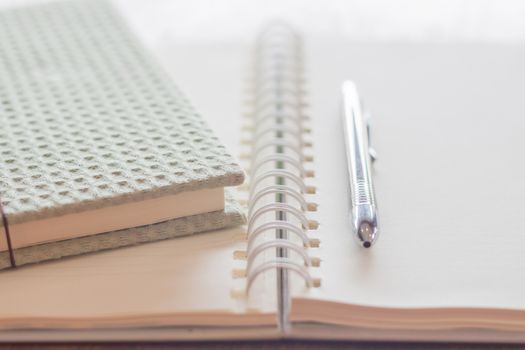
(371, 150)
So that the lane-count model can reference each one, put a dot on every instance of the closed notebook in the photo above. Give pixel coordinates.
(95, 138)
(445, 121)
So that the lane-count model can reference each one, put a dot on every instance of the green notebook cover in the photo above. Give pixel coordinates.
(89, 120)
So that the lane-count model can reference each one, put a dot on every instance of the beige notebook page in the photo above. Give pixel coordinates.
(149, 282)
(184, 281)
(448, 126)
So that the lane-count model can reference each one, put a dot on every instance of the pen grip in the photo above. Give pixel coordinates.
(362, 192)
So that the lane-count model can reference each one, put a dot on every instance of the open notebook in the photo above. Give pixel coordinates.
(447, 123)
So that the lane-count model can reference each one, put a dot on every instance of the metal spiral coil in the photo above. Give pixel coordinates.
(277, 171)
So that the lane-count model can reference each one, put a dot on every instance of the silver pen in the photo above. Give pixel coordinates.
(359, 158)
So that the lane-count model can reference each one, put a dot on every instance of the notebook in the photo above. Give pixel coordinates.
(96, 139)
(446, 122)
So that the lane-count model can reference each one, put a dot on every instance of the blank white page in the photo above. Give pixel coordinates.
(448, 124)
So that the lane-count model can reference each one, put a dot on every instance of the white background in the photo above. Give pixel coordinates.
(169, 21)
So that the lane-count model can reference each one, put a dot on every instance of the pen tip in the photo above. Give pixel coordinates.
(367, 234)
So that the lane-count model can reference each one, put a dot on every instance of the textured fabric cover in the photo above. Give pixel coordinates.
(231, 216)
(88, 120)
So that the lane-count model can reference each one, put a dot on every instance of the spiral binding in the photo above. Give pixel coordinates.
(278, 170)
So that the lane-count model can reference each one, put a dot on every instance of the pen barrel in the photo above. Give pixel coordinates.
(362, 197)
(357, 146)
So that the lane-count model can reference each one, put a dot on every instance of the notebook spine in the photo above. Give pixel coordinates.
(279, 185)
